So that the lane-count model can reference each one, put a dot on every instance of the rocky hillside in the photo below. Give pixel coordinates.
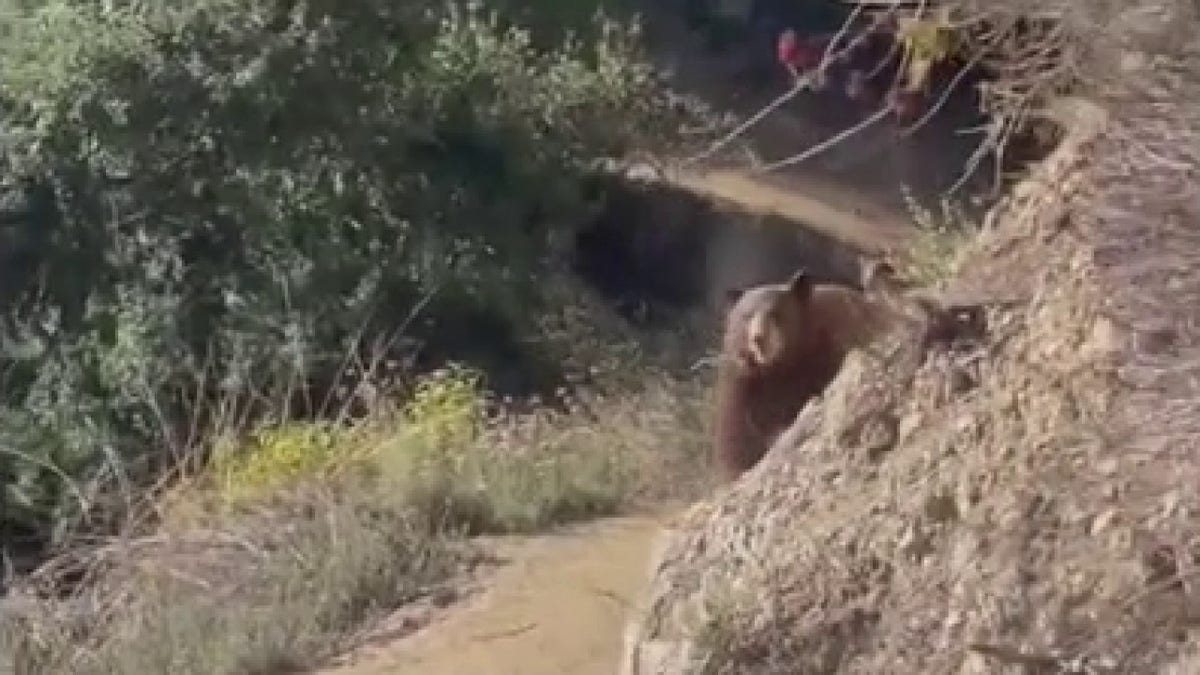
(1021, 504)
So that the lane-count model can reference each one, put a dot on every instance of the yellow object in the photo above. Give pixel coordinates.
(924, 42)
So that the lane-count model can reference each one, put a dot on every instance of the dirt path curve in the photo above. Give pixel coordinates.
(856, 221)
(558, 607)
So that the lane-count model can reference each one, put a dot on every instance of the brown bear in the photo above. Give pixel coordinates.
(783, 344)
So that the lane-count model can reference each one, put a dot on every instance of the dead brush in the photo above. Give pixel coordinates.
(273, 550)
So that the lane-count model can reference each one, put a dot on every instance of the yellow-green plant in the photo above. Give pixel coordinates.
(924, 42)
(939, 237)
(274, 458)
(447, 407)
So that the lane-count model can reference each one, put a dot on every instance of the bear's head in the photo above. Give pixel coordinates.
(765, 325)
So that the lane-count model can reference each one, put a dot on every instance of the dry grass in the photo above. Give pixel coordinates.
(939, 238)
(252, 598)
(292, 538)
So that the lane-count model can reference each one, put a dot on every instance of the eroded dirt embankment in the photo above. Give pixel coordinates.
(993, 507)
(870, 532)
(1023, 504)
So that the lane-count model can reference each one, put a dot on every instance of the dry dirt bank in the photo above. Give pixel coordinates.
(1022, 505)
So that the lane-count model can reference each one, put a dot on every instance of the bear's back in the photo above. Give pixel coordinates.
(846, 316)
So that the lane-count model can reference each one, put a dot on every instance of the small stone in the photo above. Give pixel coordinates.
(1107, 467)
(1170, 503)
(1103, 521)
(1104, 339)
(908, 426)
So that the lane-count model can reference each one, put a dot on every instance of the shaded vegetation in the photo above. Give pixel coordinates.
(227, 212)
(288, 314)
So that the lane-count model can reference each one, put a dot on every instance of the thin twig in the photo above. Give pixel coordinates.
(878, 68)
(828, 143)
(941, 102)
(523, 628)
(50, 466)
(801, 84)
(612, 595)
(828, 55)
(1014, 655)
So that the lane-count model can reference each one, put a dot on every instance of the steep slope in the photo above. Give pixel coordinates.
(1022, 505)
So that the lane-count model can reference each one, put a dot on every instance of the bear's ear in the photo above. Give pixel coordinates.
(732, 295)
(800, 285)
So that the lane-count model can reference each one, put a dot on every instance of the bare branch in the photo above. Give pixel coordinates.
(801, 84)
(941, 102)
(828, 55)
(828, 143)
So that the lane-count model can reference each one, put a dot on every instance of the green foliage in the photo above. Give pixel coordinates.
(442, 417)
(441, 456)
(940, 236)
(446, 408)
(273, 459)
(243, 193)
(462, 470)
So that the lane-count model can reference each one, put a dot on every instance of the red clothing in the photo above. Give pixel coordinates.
(906, 106)
(800, 54)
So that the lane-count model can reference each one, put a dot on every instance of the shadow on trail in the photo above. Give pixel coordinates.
(656, 248)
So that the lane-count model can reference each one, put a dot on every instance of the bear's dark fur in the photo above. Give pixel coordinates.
(783, 344)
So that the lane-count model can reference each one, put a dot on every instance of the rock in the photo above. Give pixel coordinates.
(660, 657)
(1107, 467)
(1104, 340)
(1103, 521)
(909, 424)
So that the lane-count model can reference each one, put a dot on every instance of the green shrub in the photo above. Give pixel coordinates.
(243, 193)
(465, 472)
(273, 459)
(441, 458)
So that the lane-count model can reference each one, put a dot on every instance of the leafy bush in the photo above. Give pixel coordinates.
(273, 459)
(446, 408)
(456, 467)
(226, 199)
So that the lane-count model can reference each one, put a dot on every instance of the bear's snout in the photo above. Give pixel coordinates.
(762, 341)
(759, 345)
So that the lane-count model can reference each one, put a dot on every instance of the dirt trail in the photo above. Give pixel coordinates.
(862, 223)
(559, 606)
(561, 603)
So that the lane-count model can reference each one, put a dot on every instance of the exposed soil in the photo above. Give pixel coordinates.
(558, 605)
